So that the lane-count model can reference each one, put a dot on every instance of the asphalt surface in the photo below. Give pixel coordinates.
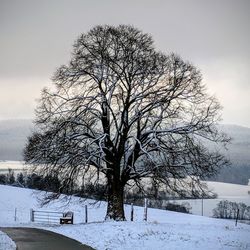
(38, 239)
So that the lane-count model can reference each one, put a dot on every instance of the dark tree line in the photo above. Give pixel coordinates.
(33, 181)
(8, 178)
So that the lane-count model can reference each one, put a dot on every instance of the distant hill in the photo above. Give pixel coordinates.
(239, 155)
(13, 135)
(239, 149)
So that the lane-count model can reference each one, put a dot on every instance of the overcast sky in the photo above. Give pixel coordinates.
(37, 36)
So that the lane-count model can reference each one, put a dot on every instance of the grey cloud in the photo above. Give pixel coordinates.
(37, 36)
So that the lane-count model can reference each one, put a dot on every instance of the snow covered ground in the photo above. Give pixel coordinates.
(6, 243)
(164, 229)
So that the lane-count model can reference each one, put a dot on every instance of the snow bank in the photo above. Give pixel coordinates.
(6, 243)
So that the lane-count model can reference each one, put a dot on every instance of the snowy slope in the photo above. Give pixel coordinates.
(6, 243)
(164, 229)
(224, 190)
(232, 192)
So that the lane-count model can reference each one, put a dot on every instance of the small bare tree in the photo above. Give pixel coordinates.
(129, 112)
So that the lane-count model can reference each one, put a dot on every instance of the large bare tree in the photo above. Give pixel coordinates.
(129, 112)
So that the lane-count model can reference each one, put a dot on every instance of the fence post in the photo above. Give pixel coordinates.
(132, 212)
(202, 205)
(86, 214)
(31, 215)
(145, 216)
(237, 216)
(15, 214)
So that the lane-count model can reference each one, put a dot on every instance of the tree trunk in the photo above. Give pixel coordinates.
(115, 208)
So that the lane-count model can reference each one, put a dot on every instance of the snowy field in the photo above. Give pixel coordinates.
(16, 166)
(164, 229)
(6, 242)
(225, 191)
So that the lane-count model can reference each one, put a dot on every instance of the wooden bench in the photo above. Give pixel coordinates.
(67, 218)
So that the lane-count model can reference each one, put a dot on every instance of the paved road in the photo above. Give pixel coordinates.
(38, 239)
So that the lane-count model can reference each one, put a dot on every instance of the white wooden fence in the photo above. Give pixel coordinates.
(48, 217)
